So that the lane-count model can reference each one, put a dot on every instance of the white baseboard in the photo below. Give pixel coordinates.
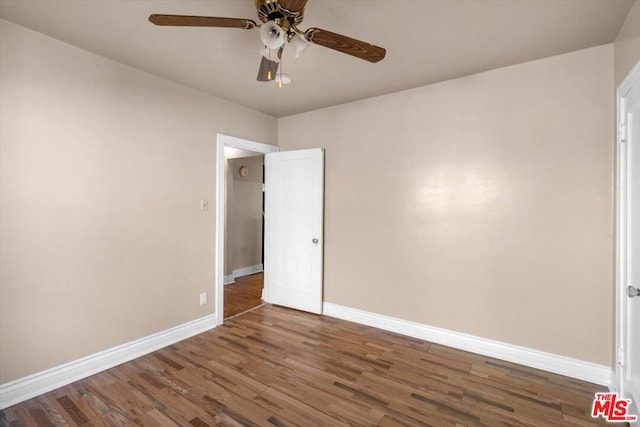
(574, 368)
(34, 385)
(244, 271)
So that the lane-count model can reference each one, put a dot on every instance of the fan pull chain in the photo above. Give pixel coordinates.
(281, 67)
(269, 73)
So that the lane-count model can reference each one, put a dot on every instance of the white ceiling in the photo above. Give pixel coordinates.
(426, 40)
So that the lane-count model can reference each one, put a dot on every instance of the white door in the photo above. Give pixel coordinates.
(629, 237)
(294, 204)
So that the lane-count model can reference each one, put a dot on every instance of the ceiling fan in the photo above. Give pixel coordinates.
(280, 20)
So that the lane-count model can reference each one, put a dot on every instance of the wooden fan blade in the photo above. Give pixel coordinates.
(201, 21)
(344, 44)
(267, 65)
(293, 6)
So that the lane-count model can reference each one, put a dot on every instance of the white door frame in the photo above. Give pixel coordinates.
(621, 226)
(221, 203)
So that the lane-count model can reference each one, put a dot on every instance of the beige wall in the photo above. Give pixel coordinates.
(481, 205)
(244, 210)
(627, 44)
(101, 175)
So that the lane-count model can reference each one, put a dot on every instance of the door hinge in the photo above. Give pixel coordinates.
(622, 132)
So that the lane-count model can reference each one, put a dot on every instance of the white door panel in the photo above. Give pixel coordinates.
(294, 203)
(629, 241)
(632, 377)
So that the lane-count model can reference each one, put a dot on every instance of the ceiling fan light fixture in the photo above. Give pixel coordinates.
(298, 44)
(272, 35)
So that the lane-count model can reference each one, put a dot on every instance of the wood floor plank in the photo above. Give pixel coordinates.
(54, 411)
(37, 414)
(77, 416)
(279, 367)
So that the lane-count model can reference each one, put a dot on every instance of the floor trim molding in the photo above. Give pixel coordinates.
(574, 368)
(241, 272)
(34, 385)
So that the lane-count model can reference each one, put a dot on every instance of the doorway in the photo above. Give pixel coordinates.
(244, 225)
(293, 225)
(239, 207)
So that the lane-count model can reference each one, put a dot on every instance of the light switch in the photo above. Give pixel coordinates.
(204, 205)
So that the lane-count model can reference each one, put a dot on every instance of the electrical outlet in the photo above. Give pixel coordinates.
(203, 298)
(204, 205)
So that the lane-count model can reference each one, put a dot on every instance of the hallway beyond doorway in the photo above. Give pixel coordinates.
(244, 294)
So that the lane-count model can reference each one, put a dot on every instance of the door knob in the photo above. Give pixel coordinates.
(314, 241)
(633, 292)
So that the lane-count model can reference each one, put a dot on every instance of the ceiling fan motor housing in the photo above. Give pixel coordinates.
(271, 10)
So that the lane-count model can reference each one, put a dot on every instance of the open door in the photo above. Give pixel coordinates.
(294, 205)
(628, 236)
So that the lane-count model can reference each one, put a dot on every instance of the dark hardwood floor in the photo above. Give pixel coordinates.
(243, 295)
(279, 367)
